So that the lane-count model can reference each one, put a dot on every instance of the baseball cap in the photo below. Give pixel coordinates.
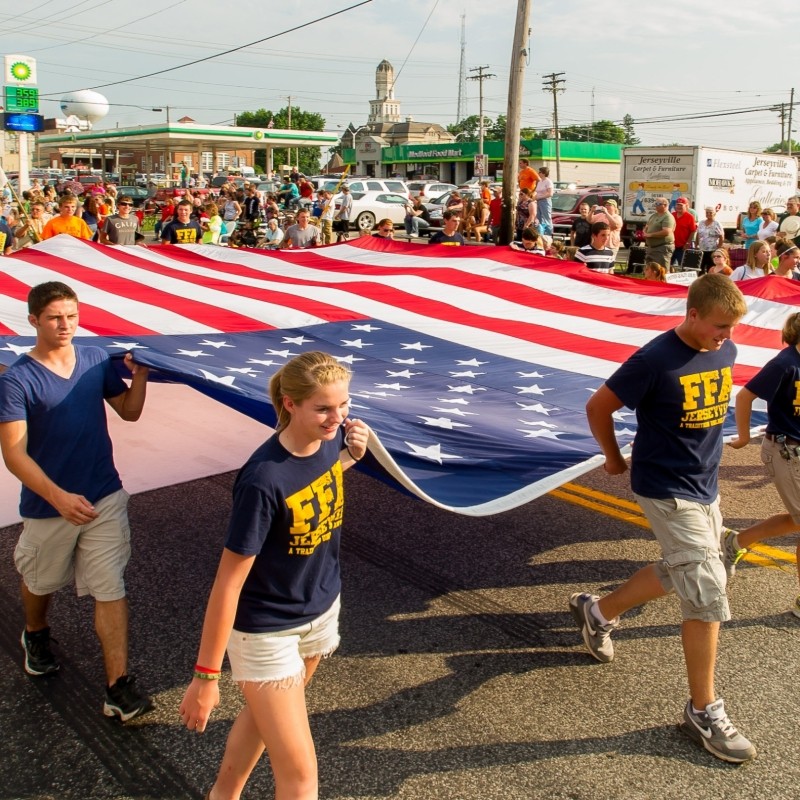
(682, 201)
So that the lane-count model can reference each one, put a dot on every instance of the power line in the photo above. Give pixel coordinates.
(225, 52)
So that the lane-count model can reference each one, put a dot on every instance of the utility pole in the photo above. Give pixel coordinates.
(791, 108)
(519, 58)
(461, 108)
(480, 77)
(780, 110)
(552, 84)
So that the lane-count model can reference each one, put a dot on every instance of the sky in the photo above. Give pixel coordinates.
(648, 59)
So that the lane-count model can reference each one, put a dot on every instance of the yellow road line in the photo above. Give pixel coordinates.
(626, 516)
(628, 511)
(774, 552)
(607, 498)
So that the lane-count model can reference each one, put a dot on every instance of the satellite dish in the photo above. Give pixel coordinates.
(86, 104)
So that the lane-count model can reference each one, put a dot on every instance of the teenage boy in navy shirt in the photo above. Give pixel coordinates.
(54, 438)
(679, 384)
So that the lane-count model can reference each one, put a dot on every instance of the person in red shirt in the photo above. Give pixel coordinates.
(685, 227)
(306, 190)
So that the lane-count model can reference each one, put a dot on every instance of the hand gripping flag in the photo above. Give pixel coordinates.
(472, 365)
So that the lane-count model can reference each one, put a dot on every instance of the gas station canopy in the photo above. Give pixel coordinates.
(185, 137)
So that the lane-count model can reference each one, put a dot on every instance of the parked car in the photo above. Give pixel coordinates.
(565, 206)
(137, 193)
(369, 207)
(359, 185)
(266, 187)
(220, 180)
(428, 190)
(475, 182)
(437, 207)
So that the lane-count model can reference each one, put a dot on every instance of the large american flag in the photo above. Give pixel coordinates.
(472, 365)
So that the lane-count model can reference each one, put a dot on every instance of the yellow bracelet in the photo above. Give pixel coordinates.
(207, 676)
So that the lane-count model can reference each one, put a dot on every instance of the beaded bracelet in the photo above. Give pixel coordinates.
(207, 676)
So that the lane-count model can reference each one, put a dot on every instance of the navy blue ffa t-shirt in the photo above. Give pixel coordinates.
(779, 384)
(681, 397)
(67, 427)
(287, 512)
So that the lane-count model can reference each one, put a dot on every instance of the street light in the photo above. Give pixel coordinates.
(355, 133)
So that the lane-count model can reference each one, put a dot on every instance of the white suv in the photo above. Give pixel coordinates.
(362, 185)
(429, 190)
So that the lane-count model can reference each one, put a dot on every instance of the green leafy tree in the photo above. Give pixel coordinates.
(309, 157)
(783, 147)
(627, 125)
(603, 130)
(497, 131)
(469, 127)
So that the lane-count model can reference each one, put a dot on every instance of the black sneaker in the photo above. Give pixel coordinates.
(123, 700)
(39, 659)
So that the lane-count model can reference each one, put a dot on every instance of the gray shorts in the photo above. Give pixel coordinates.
(52, 552)
(786, 475)
(660, 253)
(691, 539)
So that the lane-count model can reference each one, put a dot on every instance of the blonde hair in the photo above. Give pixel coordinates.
(661, 272)
(724, 253)
(791, 329)
(299, 378)
(752, 251)
(715, 291)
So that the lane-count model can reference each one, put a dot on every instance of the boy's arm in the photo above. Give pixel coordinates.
(130, 403)
(599, 410)
(14, 443)
(744, 408)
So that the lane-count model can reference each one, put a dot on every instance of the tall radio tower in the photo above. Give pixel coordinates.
(461, 111)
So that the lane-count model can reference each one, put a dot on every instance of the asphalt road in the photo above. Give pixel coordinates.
(460, 676)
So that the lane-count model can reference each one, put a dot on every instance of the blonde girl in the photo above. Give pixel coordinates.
(274, 604)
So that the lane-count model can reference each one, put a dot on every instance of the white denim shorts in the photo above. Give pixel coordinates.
(278, 656)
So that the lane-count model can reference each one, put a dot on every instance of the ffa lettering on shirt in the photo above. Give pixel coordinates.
(316, 512)
(185, 235)
(796, 401)
(705, 398)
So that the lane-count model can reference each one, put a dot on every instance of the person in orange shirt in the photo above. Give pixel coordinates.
(527, 177)
(66, 221)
